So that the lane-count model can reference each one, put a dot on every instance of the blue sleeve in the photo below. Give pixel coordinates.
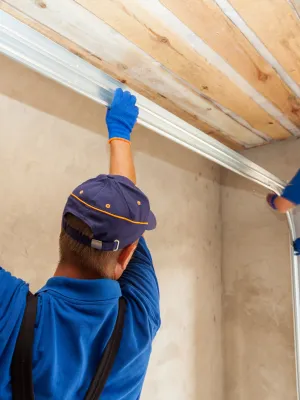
(139, 282)
(13, 293)
(292, 190)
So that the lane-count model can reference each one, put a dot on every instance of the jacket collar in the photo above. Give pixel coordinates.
(83, 289)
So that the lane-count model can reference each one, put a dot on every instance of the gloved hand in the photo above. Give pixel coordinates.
(121, 116)
(290, 196)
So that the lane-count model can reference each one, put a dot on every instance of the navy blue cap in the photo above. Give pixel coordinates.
(117, 212)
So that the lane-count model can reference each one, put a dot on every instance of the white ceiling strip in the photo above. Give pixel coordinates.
(295, 4)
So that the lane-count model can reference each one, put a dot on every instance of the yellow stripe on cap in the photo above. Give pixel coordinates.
(107, 213)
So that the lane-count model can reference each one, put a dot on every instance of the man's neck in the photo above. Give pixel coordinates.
(75, 272)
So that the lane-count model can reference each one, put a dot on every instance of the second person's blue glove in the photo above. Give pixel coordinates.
(121, 116)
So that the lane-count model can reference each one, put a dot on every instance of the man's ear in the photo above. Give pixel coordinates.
(124, 258)
(126, 255)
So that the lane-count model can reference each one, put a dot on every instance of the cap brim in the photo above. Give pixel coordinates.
(151, 222)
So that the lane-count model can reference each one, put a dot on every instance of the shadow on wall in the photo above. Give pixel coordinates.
(50, 97)
(236, 187)
(257, 309)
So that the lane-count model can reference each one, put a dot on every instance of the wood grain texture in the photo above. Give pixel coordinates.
(278, 27)
(130, 65)
(166, 46)
(227, 141)
(209, 22)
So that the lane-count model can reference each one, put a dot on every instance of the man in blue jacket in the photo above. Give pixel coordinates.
(103, 256)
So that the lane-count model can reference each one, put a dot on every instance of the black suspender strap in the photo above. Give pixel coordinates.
(21, 367)
(109, 355)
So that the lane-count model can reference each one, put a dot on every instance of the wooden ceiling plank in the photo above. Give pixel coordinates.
(227, 141)
(278, 27)
(208, 21)
(166, 46)
(130, 65)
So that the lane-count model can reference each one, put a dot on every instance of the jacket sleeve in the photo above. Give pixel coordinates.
(139, 283)
(13, 293)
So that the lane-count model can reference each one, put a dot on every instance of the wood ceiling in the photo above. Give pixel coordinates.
(229, 67)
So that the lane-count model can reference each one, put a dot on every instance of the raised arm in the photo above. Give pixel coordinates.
(121, 118)
(138, 282)
(121, 160)
(290, 197)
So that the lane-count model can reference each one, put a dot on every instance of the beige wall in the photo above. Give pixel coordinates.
(258, 328)
(51, 139)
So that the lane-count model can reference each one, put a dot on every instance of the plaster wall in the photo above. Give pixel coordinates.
(51, 139)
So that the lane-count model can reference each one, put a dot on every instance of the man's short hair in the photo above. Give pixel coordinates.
(88, 259)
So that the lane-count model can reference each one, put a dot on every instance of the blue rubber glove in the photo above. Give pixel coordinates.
(292, 190)
(121, 116)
